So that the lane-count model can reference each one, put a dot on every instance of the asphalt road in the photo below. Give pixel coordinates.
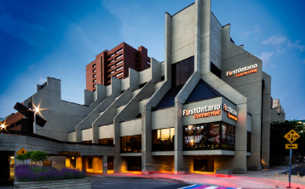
(134, 183)
(300, 169)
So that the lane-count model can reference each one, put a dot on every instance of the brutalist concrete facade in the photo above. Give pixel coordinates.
(112, 112)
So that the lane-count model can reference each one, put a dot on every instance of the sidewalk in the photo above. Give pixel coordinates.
(252, 179)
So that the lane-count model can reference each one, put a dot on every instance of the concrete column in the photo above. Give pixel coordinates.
(133, 79)
(179, 160)
(147, 158)
(117, 148)
(266, 121)
(105, 160)
(197, 51)
(155, 70)
(88, 97)
(168, 49)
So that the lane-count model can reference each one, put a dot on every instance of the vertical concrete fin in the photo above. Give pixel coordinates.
(197, 40)
(168, 48)
(266, 121)
(115, 86)
(88, 97)
(204, 11)
(155, 70)
(101, 92)
(133, 79)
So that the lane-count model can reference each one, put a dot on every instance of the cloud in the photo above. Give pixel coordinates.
(258, 30)
(245, 34)
(280, 51)
(275, 40)
(42, 80)
(296, 45)
(265, 57)
(30, 67)
(33, 34)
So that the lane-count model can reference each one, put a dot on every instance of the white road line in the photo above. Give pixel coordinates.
(186, 187)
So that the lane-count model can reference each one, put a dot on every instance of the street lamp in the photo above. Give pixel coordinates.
(36, 110)
(3, 126)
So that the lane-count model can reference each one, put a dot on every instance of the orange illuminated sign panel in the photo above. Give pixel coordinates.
(205, 111)
(243, 71)
(232, 114)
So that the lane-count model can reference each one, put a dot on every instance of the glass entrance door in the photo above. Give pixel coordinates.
(200, 165)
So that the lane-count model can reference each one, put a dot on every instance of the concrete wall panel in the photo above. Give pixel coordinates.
(106, 131)
(163, 118)
(132, 127)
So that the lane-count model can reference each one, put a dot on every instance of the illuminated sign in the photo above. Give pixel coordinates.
(201, 112)
(232, 114)
(243, 71)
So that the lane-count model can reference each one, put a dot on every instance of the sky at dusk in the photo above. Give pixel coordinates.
(41, 39)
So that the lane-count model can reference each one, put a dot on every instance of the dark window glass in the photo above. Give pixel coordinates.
(201, 136)
(131, 143)
(108, 141)
(248, 141)
(228, 137)
(182, 70)
(90, 163)
(177, 73)
(191, 65)
(215, 70)
(134, 164)
(87, 142)
(163, 139)
(202, 91)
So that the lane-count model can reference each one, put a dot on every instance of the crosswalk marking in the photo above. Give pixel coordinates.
(195, 186)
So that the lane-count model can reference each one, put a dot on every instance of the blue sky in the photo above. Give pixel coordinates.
(58, 38)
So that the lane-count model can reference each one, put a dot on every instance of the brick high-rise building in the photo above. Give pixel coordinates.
(115, 63)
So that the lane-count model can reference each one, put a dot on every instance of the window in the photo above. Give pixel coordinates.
(94, 80)
(131, 143)
(94, 75)
(94, 85)
(118, 75)
(94, 71)
(118, 57)
(248, 141)
(182, 71)
(94, 65)
(118, 69)
(215, 70)
(118, 51)
(228, 137)
(90, 162)
(87, 142)
(163, 139)
(108, 141)
(209, 136)
(120, 62)
(111, 72)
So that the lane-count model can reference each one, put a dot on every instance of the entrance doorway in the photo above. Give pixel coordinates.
(201, 165)
(110, 163)
(134, 164)
(7, 174)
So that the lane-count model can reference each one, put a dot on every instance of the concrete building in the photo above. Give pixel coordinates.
(277, 113)
(115, 63)
(206, 107)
